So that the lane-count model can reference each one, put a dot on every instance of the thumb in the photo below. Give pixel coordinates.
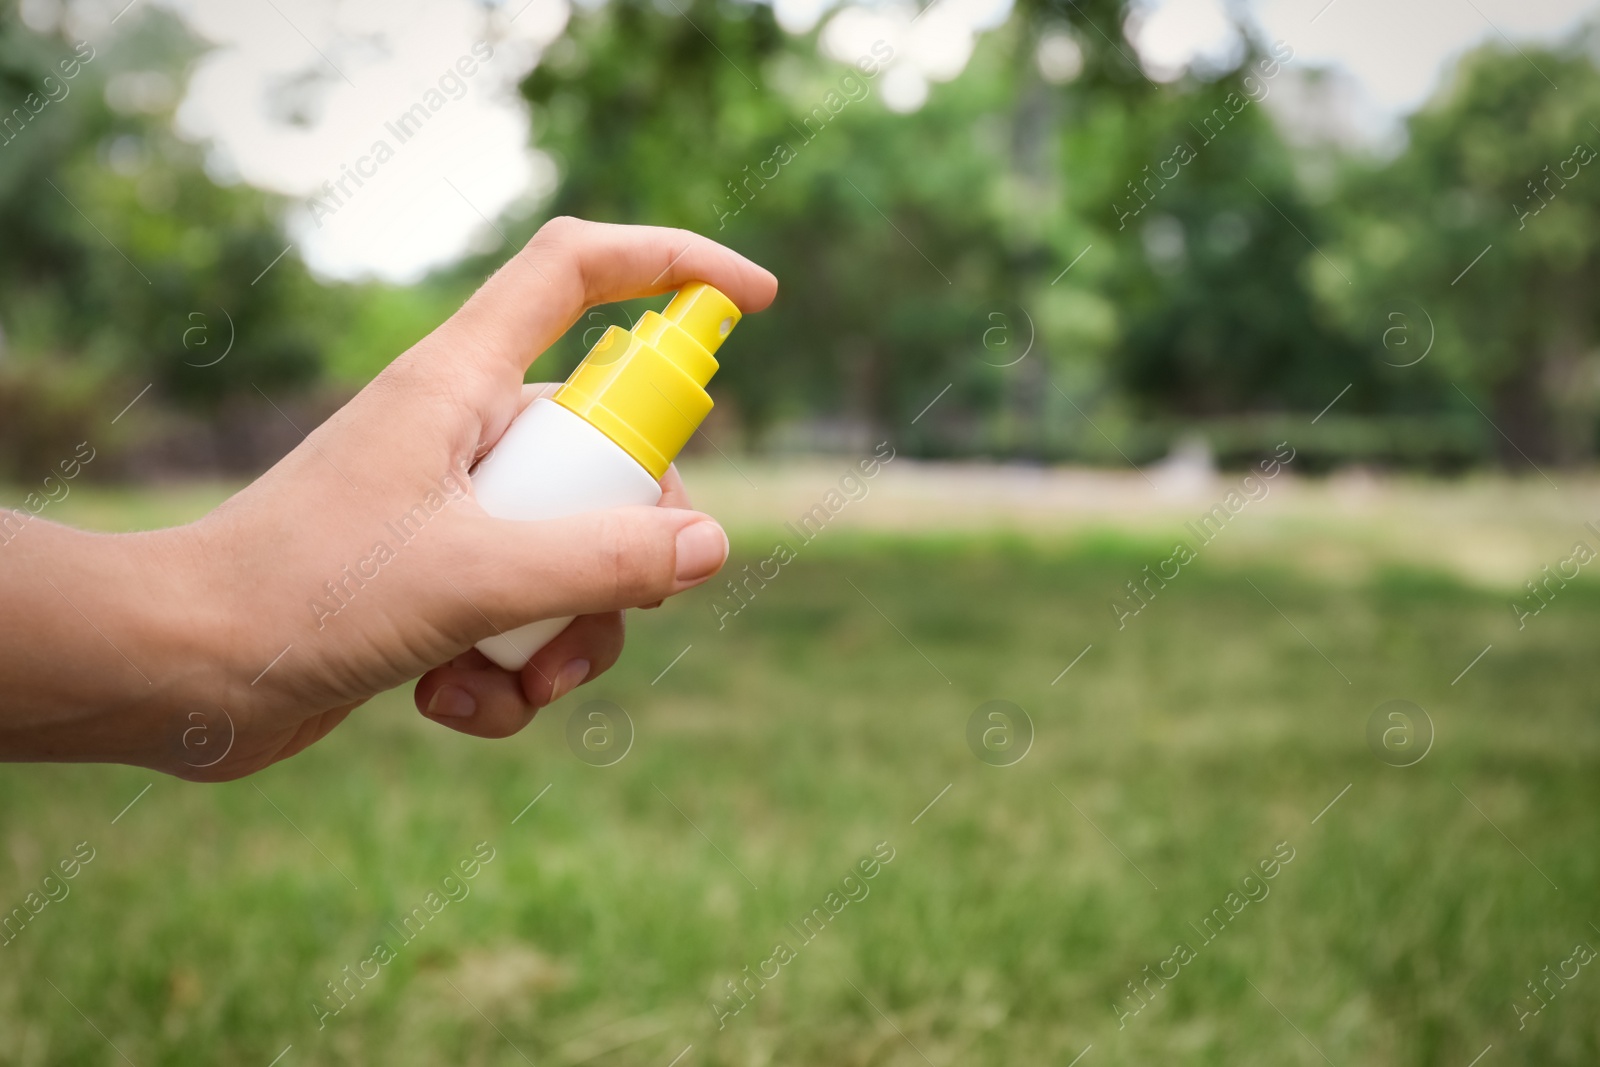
(590, 563)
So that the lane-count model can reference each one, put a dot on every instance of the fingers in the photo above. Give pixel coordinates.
(570, 265)
(473, 696)
(673, 493)
(581, 653)
(584, 564)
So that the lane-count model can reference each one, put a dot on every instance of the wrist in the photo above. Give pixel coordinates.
(122, 646)
(176, 599)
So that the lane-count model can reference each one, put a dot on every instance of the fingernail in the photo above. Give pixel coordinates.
(702, 547)
(451, 703)
(568, 678)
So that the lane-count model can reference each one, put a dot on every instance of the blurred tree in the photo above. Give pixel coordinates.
(914, 246)
(717, 120)
(1484, 237)
(1212, 243)
(118, 252)
(1050, 254)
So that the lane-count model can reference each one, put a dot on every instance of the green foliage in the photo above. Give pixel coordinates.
(913, 249)
(1082, 269)
(46, 410)
(116, 247)
(381, 321)
(1214, 292)
(791, 159)
(1490, 171)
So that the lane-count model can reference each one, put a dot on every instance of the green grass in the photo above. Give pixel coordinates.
(784, 747)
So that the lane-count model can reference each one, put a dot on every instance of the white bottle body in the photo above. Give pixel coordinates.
(549, 464)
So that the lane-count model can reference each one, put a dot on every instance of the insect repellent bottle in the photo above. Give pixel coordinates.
(608, 434)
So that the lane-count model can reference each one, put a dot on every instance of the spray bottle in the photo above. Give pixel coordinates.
(608, 434)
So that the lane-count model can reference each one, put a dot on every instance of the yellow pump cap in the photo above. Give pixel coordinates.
(645, 388)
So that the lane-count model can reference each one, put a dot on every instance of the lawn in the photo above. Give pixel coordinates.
(801, 858)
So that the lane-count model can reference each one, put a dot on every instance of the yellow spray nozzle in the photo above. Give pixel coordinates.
(690, 329)
(645, 388)
(704, 314)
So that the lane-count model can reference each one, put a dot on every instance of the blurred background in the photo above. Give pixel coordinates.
(1090, 272)
(1091, 230)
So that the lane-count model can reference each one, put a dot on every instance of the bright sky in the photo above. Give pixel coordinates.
(1397, 49)
(296, 93)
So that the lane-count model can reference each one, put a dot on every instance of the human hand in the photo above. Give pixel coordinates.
(235, 632)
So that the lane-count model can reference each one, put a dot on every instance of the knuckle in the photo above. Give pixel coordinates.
(631, 560)
(608, 644)
(561, 230)
(678, 246)
(560, 243)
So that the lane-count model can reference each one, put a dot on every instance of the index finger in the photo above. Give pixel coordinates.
(673, 493)
(571, 265)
